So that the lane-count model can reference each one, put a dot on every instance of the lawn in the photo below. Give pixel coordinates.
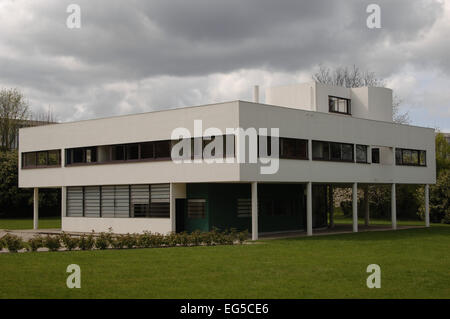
(27, 223)
(415, 263)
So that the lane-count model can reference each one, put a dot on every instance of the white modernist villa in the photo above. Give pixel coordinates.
(118, 172)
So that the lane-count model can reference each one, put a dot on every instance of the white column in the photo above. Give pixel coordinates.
(393, 207)
(366, 206)
(355, 207)
(254, 211)
(427, 205)
(309, 229)
(36, 208)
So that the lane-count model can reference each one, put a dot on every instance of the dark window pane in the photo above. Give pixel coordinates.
(361, 153)
(42, 159)
(423, 161)
(406, 157)
(78, 156)
(162, 149)
(414, 157)
(141, 210)
(53, 158)
(91, 155)
(132, 151)
(333, 104)
(118, 153)
(336, 154)
(147, 150)
(347, 152)
(320, 150)
(376, 155)
(29, 159)
(339, 105)
(398, 156)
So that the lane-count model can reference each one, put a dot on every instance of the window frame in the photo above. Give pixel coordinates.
(36, 162)
(348, 101)
(366, 151)
(411, 151)
(330, 159)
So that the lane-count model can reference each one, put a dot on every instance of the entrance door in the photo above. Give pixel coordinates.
(180, 204)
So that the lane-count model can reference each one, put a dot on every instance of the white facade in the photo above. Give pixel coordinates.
(299, 111)
(374, 103)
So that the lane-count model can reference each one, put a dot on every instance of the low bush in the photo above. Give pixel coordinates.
(117, 242)
(12, 242)
(145, 240)
(52, 243)
(130, 240)
(103, 241)
(243, 236)
(68, 241)
(35, 243)
(86, 242)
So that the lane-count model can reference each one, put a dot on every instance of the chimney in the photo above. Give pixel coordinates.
(256, 94)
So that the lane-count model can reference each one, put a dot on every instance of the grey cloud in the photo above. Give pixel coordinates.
(137, 42)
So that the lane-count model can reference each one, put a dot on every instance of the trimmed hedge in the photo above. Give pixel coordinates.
(108, 240)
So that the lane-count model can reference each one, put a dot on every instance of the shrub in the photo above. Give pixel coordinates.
(171, 240)
(196, 238)
(52, 243)
(86, 242)
(117, 242)
(35, 243)
(439, 200)
(183, 239)
(130, 240)
(69, 241)
(243, 236)
(103, 241)
(207, 238)
(12, 242)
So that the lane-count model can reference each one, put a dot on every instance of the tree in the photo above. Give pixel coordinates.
(439, 200)
(11, 197)
(440, 192)
(13, 111)
(353, 78)
(442, 153)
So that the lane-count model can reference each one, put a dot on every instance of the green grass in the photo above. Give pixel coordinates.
(414, 263)
(339, 218)
(26, 223)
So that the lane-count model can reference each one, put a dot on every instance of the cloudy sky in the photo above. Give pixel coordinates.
(136, 56)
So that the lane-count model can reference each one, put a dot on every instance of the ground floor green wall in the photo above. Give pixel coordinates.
(281, 207)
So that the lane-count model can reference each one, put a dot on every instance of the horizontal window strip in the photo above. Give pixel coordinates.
(119, 201)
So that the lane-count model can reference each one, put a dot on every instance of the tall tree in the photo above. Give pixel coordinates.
(442, 153)
(14, 111)
(354, 77)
